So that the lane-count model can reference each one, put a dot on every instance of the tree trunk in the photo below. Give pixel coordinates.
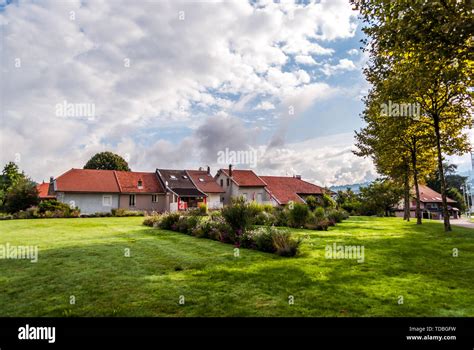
(447, 224)
(415, 180)
(406, 195)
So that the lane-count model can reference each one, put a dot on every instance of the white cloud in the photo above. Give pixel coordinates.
(324, 160)
(353, 52)
(265, 106)
(143, 68)
(308, 60)
(343, 65)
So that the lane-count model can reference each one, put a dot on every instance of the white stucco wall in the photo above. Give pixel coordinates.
(89, 203)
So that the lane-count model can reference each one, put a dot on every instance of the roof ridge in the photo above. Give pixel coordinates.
(117, 180)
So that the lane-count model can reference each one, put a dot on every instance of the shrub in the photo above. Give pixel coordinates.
(151, 220)
(272, 240)
(281, 216)
(202, 207)
(319, 213)
(201, 210)
(284, 244)
(121, 212)
(55, 209)
(265, 218)
(239, 214)
(216, 215)
(186, 224)
(317, 220)
(24, 214)
(336, 215)
(168, 220)
(328, 202)
(312, 202)
(298, 213)
(21, 196)
(6, 217)
(262, 238)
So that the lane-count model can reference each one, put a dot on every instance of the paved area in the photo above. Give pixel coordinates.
(462, 222)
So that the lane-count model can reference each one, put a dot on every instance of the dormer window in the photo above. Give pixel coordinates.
(140, 184)
(172, 177)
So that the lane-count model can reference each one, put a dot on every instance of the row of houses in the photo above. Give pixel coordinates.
(96, 191)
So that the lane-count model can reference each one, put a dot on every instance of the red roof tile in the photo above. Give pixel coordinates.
(245, 178)
(285, 189)
(43, 190)
(128, 182)
(427, 195)
(87, 180)
(204, 182)
(108, 181)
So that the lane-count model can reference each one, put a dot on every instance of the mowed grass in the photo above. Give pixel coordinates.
(85, 258)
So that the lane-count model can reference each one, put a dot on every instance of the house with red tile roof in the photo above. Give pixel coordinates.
(245, 183)
(431, 204)
(44, 192)
(285, 189)
(103, 190)
(181, 192)
(205, 182)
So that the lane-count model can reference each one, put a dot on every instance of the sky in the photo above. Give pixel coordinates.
(176, 84)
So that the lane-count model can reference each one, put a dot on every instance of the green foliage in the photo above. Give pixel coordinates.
(380, 197)
(22, 195)
(266, 218)
(54, 209)
(312, 202)
(151, 220)
(297, 214)
(337, 215)
(121, 212)
(422, 63)
(201, 210)
(10, 177)
(455, 195)
(284, 244)
(328, 202)
(320, 213)
(107, 161)
(273, 240)
(281, 216)
(169, 221)
(240, 215)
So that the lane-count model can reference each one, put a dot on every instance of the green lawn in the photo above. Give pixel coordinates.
(85, 258)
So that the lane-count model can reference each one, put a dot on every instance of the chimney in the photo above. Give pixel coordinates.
(51, 179)
(208, 170)
(230, 170)
(298, 177)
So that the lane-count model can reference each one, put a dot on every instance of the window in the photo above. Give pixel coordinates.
(245, 196)
(185, 177)
(201, 179)
(228, 182)
(107, 201)
(222, 183)
(131, 200)
(222, 198)
(154, 198)
(259, 198)
(140, 184)
(172, 177)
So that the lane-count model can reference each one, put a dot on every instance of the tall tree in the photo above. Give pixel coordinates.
(11, 175)
(428, 46)
(107, 161)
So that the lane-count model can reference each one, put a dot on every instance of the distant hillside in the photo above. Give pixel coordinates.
(354, 187)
